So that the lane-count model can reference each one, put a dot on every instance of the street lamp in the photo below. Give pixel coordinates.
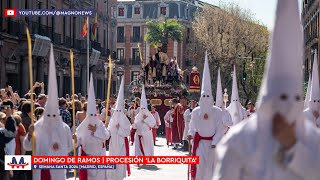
(225, 97)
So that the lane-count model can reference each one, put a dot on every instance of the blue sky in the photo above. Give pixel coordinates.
(263, 10)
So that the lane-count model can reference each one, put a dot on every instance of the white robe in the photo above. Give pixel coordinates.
(168, 119)
(45, 136)
(117, 145)
(206, 128)
(187, 118)
(227, 120)
(93, 144)
(248, 152)
(237, 112)
(143, 129)
(309, 115)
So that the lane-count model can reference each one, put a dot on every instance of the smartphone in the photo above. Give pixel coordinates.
(67, 96)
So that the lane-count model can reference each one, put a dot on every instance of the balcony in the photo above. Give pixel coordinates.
(122, 61)
(14, 28)
(43, 30)
(56, 38)
(135, 61)
(95, 45)
(135, 39)
(121, 39)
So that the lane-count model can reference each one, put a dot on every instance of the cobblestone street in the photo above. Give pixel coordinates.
(159, 171)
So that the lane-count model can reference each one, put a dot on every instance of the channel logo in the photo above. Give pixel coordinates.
(10, 13)
(17, 162)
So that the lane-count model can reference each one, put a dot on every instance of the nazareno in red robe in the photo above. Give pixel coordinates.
(177, 124)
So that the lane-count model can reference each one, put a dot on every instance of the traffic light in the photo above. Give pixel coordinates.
(244, 76)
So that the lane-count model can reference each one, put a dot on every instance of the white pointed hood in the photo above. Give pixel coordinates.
(235, 108)
(51, 112)
(118, 116)
(282, 87)
(91, 107)
(143, 99)
(206, 99)
(120, 97)
(50, 128)
(219, 95)
(315, 91)
(307, 98)
(235, 92)
(88, 141)
(144, 109)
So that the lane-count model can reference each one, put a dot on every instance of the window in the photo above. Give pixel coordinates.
(120, 53)
(135, 55)
(119, 77)
(120, 34)
(136, 31)
(187, 14)
(136, 34)
(137, 10)
(135, 75)
(163, 10)
(121, 12)
(188, 34)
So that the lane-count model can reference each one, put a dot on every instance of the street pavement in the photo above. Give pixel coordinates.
(158, 171)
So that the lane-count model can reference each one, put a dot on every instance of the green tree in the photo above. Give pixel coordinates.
(161, 32)
(232, 35)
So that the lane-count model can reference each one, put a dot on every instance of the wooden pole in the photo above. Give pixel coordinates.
(142, 63)
(108, 89)
(140, 54)
(31, 87)
(73, 109)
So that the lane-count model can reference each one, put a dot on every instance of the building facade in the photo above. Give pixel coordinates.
(311, 27)
(65, 34)
(131, 29)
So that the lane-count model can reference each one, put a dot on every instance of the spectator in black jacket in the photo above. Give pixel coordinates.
(9, 133)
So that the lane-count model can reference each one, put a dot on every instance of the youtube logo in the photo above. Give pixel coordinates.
(10, 13)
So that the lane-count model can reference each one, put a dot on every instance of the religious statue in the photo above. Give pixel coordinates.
(173, 71)
(164, 60)
(158, 67)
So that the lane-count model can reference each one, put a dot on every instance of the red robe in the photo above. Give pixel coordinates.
(177, 124)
